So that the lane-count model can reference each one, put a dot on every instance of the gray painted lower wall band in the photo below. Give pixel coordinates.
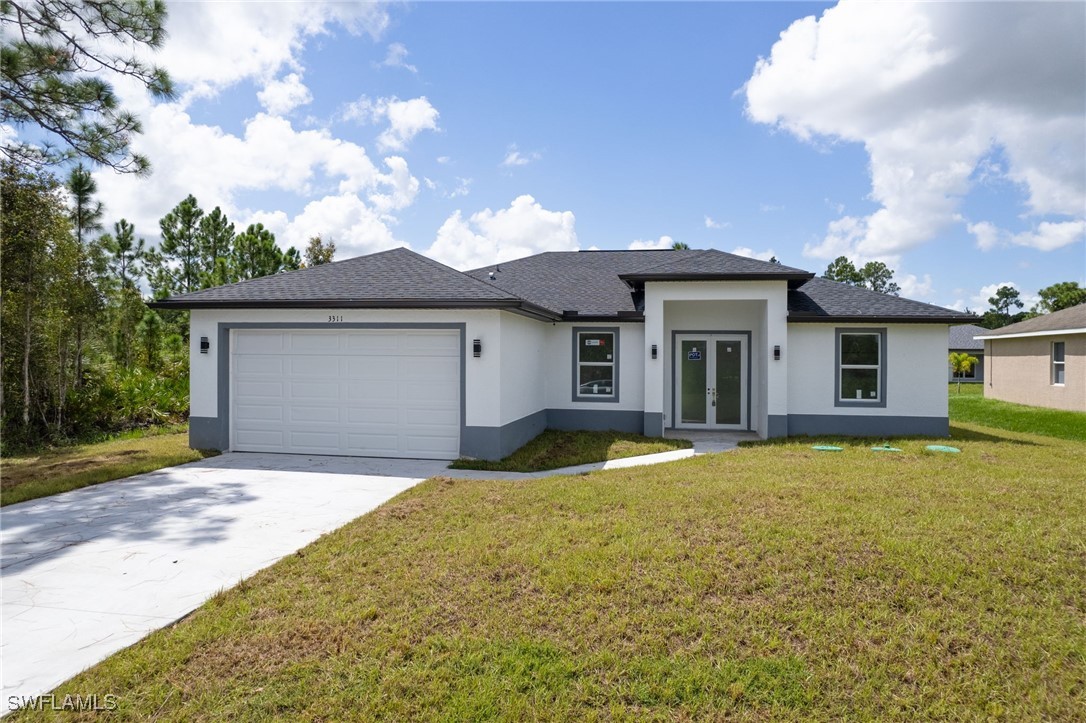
(207, 433)
(867, 425)
(620, 420)
(777, 426)
(653, 424)
(498, 442)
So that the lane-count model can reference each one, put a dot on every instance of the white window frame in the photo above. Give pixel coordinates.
(1060, 365)
(880, 369)
(578, 332)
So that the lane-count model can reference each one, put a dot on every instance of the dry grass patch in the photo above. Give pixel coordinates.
(771, 583)
(59, 470)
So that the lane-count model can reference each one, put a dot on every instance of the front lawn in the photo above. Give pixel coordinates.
(53, 471)
(769, 583)
(972, 406)
(556, 448)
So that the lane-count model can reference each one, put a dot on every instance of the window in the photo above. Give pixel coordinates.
(1057, 362)
(595, 365)
(861, 368)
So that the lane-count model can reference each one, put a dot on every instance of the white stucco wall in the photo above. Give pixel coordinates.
(523, 366)
(558, 369)
(915, 370)
(481, 375)
(757, 306)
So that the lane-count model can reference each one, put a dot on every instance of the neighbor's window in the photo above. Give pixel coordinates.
(1057, 362)
(594, 360)
(860, 373)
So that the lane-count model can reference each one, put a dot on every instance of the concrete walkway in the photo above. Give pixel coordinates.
(89, 572)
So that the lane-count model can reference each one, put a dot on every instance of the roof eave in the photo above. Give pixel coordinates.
(790, 277)
(794, 318)
(1028, 334)
(622, 316)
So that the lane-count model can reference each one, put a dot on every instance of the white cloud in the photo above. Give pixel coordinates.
(489, 237)
(402, 187)
(752, 254)
(282, 96)
(1047, 236)
(986, 234)
(661, 244)
(710, 223)
(356, 228)
(397, 58)
(769, 207)
(443, 159)
(913, 287)
(513, 157)
(212, 46)
(919, 86)
(217, 166)
(463, 188)
(406, 118)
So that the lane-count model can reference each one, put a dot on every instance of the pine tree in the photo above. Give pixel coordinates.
(178, 259)
(215, 243)
(55, 63)
(256, 254)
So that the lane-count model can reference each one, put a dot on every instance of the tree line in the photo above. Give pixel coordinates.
(81, 353)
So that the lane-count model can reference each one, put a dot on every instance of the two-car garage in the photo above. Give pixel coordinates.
(366, 392)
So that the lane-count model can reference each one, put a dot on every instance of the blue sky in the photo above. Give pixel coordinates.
(925, 135)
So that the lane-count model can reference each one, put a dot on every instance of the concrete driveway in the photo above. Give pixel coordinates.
(92, 571)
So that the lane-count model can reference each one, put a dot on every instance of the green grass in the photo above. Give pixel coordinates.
(58, 470)
(973, 407)
(769, 583)
(554, 448)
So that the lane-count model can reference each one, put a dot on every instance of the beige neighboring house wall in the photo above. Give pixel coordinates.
(1020, 371)
(1018, 361)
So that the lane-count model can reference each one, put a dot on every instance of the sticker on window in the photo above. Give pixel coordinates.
(593, 342)
(694, 354)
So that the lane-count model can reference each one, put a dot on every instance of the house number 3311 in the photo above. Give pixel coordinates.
(333, 317)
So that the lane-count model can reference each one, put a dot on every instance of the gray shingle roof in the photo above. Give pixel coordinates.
(961, 337)
(710, 264)
(397, 275)
(583, 281)
(1072, 318)
(589, 283)
(824, 300)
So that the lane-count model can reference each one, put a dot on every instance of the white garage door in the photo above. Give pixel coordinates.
(373, 393)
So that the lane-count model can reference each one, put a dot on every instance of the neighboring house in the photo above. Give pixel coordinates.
(1039, 361)
(394, 354)
(963, 339)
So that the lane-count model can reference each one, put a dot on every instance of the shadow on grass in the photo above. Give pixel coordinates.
(957, 434)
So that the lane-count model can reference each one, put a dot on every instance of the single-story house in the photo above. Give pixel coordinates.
(394, 354)
(1039, 361)
(963, 338)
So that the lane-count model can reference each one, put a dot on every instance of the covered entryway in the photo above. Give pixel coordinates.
(711, 381)
(361, 392)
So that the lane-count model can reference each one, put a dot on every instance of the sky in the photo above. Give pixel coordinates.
(945, 139)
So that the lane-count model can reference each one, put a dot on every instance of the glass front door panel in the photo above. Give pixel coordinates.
(693, 361)
(729, 382)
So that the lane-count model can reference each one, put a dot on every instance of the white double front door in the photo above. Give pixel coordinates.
(711, 381)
